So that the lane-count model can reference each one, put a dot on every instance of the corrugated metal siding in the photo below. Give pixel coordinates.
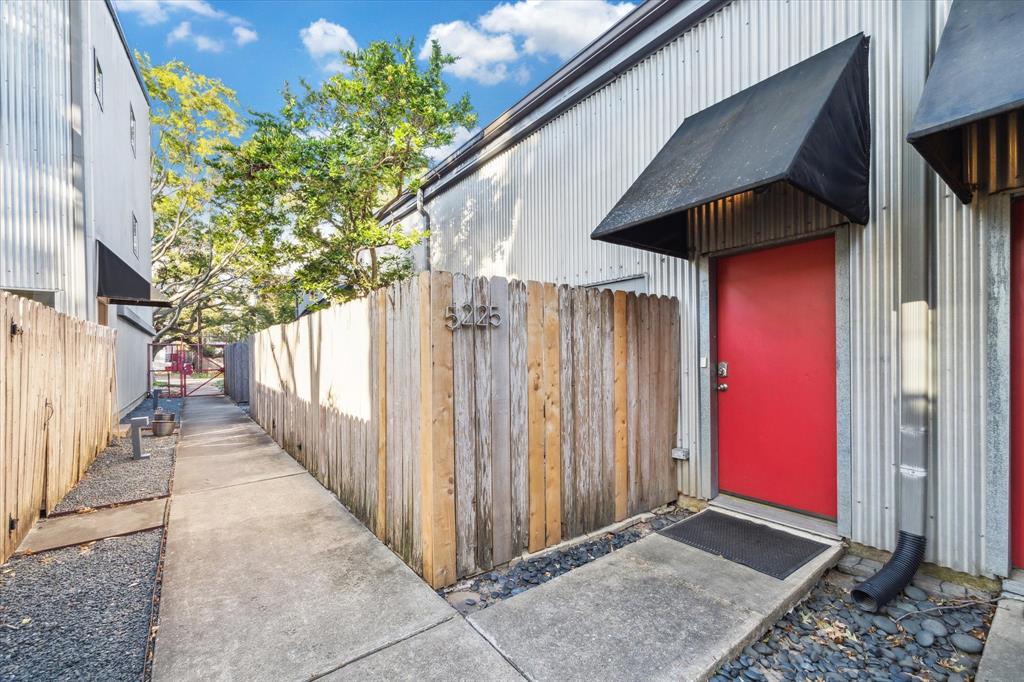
(994, 152)
(35, 144)
(963, 381)
(132, 364)
(529, 212)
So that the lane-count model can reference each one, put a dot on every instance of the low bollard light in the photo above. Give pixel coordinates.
(137, 424)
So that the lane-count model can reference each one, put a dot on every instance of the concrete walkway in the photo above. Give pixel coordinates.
(268, 577)
(655, 610)
(1003, 659)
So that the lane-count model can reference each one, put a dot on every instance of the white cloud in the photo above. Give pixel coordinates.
(553, 26)
(244, 36)
(323, 38)
(183, 32)
(207, 44)
(148, 11)
(335, 66)
(158, 11)
(482, 57)
(200, 7)
(462, 136)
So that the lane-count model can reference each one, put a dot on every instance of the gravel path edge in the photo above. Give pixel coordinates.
(109, 505)
(154, 614)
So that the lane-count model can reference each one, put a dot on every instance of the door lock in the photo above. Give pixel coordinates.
(723, 369)
(722, 387)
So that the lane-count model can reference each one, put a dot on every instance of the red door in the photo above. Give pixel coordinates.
(777, 415)
(1017, 386)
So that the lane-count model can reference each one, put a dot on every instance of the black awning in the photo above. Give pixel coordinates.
(977, 73)
(119, 283)
(808, 126)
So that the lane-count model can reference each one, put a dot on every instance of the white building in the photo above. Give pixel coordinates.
(76, 220)
(911, 421)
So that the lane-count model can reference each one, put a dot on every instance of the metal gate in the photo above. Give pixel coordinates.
(185, 370)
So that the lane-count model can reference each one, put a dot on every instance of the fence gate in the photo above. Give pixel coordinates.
(185, 370)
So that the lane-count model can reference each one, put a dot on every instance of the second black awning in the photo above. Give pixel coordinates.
(808, 126)
(976, 75)
(118, 282)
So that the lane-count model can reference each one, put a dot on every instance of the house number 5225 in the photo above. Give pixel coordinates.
(469, 315)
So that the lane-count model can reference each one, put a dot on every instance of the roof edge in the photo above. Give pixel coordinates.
(588, 60)
(128, 51)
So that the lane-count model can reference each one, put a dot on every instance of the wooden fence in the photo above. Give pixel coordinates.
(546, 413)
(236, 371)
(57, 406)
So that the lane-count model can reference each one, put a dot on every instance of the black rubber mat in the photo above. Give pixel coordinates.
(762, 548)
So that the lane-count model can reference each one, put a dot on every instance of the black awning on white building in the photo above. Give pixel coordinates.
(978, 73)
(808, 126)
(118, 282)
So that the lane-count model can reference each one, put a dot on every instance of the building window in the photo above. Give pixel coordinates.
(135, 235)
(131, 126)
(97, 78)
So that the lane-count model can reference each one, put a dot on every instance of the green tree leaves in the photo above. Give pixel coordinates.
(244, 227)
(321, 169)
(204, 259)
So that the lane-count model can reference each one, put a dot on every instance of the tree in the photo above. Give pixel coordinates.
(322, 168)
(206, 261)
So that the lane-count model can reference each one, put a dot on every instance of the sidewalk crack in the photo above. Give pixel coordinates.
(376, 650)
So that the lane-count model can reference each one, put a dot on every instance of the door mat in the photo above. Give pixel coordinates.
(763, 548)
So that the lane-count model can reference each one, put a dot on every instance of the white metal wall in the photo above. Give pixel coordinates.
(132, 361)
(117, 178)
(529, 211)
(117, 181)
(36, 221)
(44, 46)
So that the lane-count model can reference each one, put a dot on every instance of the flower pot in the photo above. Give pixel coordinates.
(163, 427)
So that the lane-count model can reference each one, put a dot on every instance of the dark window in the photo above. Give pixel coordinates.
(135, 234)
(97, 78)
(131, 125)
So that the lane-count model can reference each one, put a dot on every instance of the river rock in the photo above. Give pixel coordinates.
(966, 643)
(936, 627)
(915, 593)
(885, 625)
(925, 638)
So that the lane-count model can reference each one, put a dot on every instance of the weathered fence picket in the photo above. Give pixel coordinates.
(57, 408)
(468, 420)
(236, 370)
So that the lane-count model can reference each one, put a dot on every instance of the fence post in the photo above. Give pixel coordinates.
(437, 425)
(381, 301)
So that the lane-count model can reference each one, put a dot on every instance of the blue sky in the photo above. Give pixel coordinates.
(505, 48)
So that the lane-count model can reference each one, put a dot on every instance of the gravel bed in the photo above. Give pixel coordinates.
(115, 477)
(80, 612)
(494, 586)
(827, 637)
(145, 409)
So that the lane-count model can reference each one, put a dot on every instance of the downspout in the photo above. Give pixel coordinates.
(915, 321)
(421, 252)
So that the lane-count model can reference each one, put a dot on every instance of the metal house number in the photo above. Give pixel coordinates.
(471, 315)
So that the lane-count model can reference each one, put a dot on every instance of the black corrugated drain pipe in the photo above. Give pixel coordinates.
(880, 588)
